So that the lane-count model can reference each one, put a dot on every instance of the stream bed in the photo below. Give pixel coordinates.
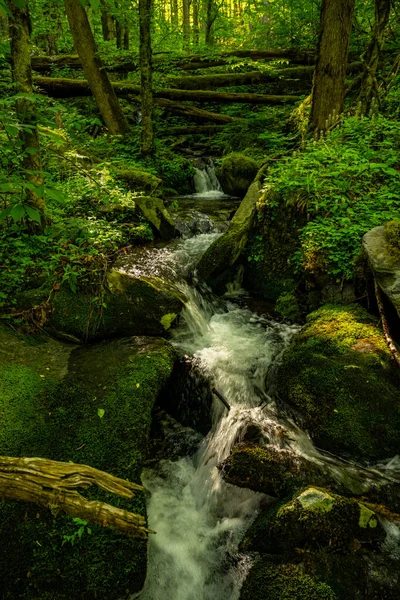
(200, 519)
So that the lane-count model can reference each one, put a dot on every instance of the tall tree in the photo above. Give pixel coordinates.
(99, 83)
(107, 22)
(196, 31)
(19, 23)
(186, 22)
(146, 76)
(369, 85)
(330, 69)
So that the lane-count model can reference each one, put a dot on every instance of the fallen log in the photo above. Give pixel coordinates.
(192, 112)
(53, 484)
(62, 87)
(191, 130)
(196, 61)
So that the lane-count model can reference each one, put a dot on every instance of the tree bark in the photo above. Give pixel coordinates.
(211, 15)
(146, 77)
(19, 22)
(100, 85)
(64, 88)
(332, 54)
(369, 85)
(196, 29)
(186, 22)
(119, 34)
(53, 484)
(107, 22)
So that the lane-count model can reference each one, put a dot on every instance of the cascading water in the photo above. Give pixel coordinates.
(200, 519)
(205, 180)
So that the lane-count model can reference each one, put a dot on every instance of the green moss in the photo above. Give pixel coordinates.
(287, 306)
(269, 581)
(60, 420)
(167, 320)
(314, 519)
(392, 234)
(236, 173)
(138, 180)
(338, 373)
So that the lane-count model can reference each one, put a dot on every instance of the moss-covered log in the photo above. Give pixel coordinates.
(53, 484)
(64, 88)
(191, 130)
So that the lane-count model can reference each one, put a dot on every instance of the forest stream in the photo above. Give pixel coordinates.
(199, 519)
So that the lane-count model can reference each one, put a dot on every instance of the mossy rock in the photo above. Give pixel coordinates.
(314, 519)
(132, 306)
(54, 414)
(288, 307)
(269, 580)
(236, 173)
(137, 180)
(339, 376)
(225, 252)
(154, 211)
(269, 470)
(272, 243)
(392, 233)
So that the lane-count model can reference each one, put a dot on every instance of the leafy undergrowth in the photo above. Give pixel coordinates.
(346, 184)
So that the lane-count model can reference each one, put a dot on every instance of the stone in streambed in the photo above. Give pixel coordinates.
(236, 174)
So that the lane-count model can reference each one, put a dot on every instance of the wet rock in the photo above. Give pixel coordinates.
(269, 580)
(236, 174)
(224, 253)
(270, 470)
(89, 405)
(339, 376)
(317, 519)
(384, 261)
(154, 211)
(130, 306)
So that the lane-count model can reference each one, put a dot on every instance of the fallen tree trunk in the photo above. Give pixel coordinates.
(196, 61)
(53, 484)
(192, 112)
(65, 88)
(191, 130)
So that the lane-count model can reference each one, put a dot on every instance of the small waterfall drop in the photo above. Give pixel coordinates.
(205, 179)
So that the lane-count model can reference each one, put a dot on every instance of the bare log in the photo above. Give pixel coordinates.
(53, 484)
(62, 87)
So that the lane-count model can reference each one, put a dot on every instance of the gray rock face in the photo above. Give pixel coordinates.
(384, 263)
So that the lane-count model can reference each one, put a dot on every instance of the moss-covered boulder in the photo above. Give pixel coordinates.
(269, 580)
(339, 376)
(92, 405)
(154, 211)
(137, 180)
(270, 470)
(215, 266)
(130, 306)
(272, 242)
(315, 519)
(236, 174)
(381, 246)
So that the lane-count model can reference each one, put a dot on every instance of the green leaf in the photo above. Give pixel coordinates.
(100, 412)
(55, 194)
(7, 187)
(4, 213)
(17, 212)
(33, 214)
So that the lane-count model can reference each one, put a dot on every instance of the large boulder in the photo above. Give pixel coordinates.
(236, 173)
(314, 519)
(383, 256)
(130, 306)
(215, 266)
(89, 405)
(339, 377)
(154, 211)
(270, 470)
(270, 580)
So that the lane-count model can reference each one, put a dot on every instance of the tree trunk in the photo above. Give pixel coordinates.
(175, 13)
(70, 88)
(186, 22)
(211, 15)
(22, 76)
(100, 85)
(53, 484)
(369, 85)
(126, 37)
(330, 70)
(146, 77)
(119, 32)
(107, 22)
(196, 30)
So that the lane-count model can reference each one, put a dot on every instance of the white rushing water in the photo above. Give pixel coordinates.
(200, 519)
(206, 182)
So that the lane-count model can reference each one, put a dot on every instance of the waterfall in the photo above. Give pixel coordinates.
(199, 518)
(205, 179)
